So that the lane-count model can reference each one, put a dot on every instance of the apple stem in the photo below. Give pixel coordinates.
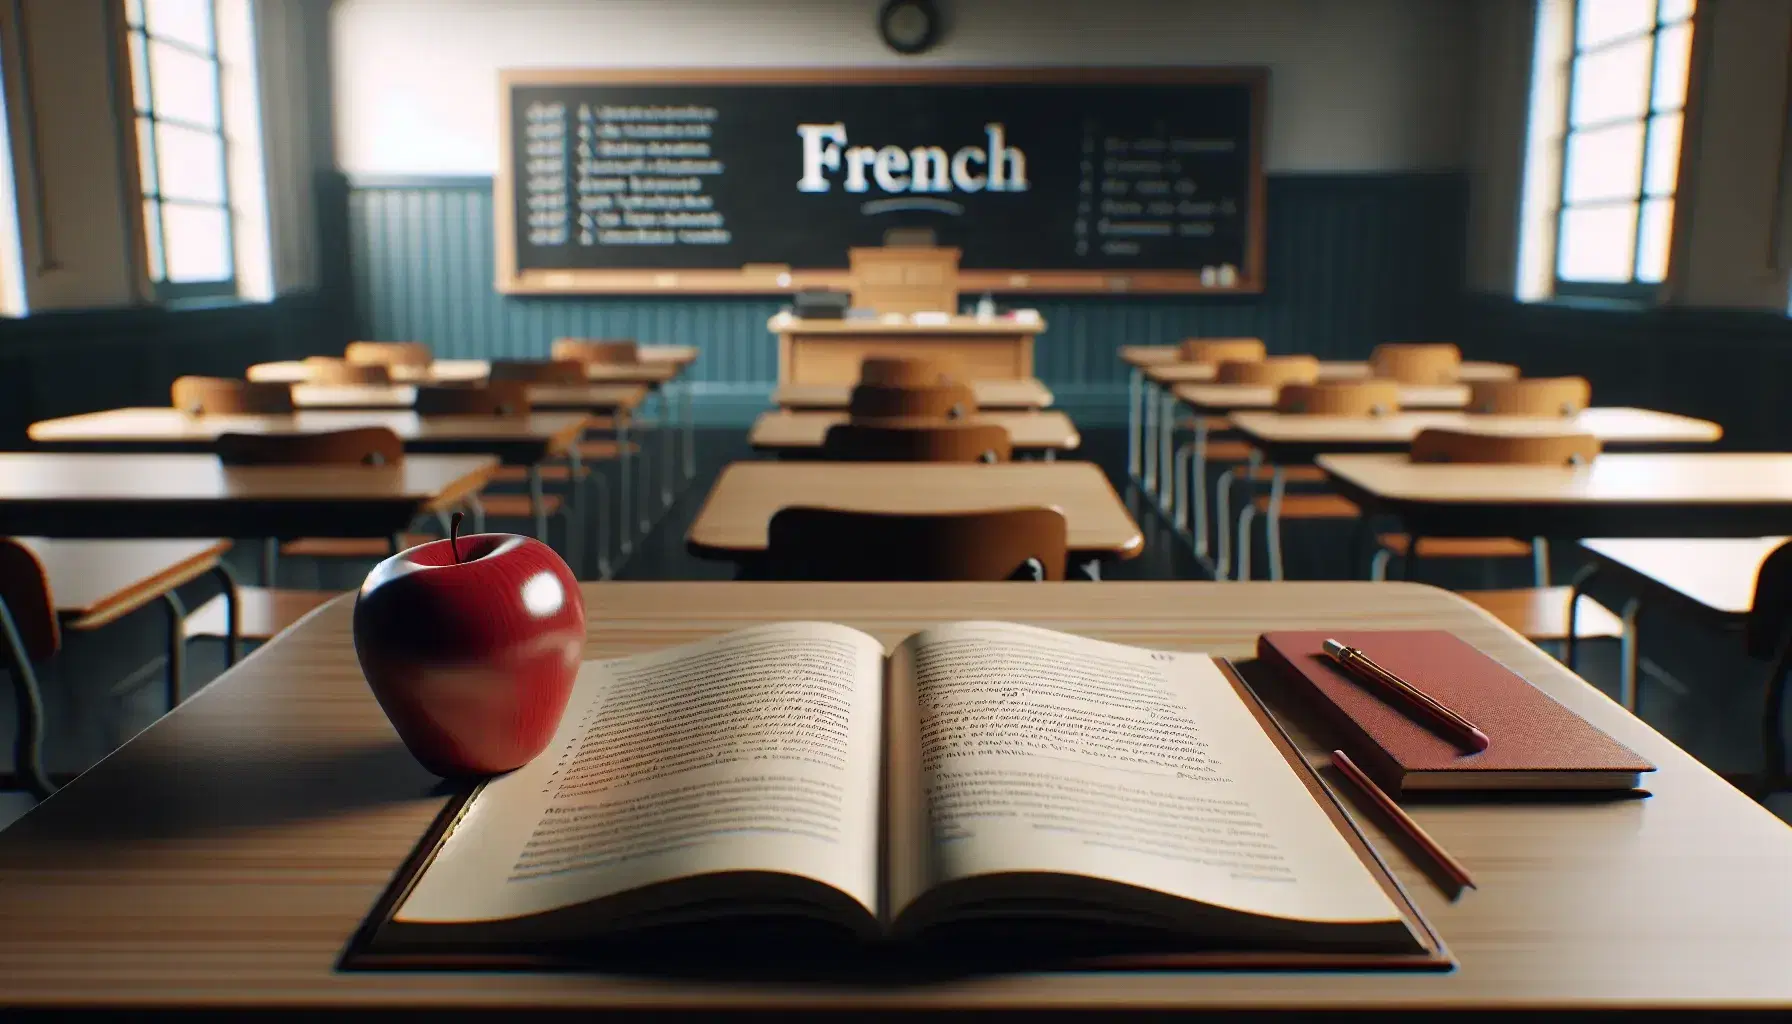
(454, 534)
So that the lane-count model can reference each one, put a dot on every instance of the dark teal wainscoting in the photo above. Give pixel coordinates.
(59, 364)
(1731, 367)
(1353, 260)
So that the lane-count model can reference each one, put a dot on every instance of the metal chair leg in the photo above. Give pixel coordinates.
(1378, 565)
(669, 450)
(477, 510)
(600, 499)
(538, 504)
(233, 616)
(688, 395)
(1222, 524)
(1148, 438)
(1773, 713)
(270, 554)
(1272, 524)
(177, 646)
(1627, 655)
(1540, 561)
(1246, 516)
(28, 745)
(1134, 387)
(625, 541)
(1571, 645)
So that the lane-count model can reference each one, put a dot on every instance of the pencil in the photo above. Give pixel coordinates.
(1449, 722)
(1402, 820)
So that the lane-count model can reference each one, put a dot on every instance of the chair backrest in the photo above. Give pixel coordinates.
(362, 446)
(1536, 396)
(1416, 362)
(494, 398)
(593, 350)
(1000, 544)
(908, 371)
(330, 370)
(947, 442)
(1273, 371)
(538, 371)
(1435, 445)
(225, 396)
(1222, 350)
(25, 587)
(1340, 398)
(389, 353)
(940, 401)
(1765, 630)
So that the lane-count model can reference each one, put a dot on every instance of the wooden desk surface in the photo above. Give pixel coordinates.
(56, 494)
(1220, 399)
(1621, 494)
(1161, 370)
(784, 323)
(734, 517)
(224, 856)
(96, 581)
(991, 394)
(1614, 426)
(514, 438)
(441, 371)
(683, 355)
(1028, 431)
(542, 397)
(1716, 572)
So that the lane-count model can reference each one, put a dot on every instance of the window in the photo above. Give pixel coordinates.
(1620, 100)
(198, 147)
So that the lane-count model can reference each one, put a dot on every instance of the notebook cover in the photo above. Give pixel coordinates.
(372, 949)
(1530, 732)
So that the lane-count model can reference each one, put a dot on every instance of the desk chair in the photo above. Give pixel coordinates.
(1269, 371)
(813, 544)
(909, 371)
(935, 401)
(1416, 363)
(538, 371)
(329, 370)
(266, 611)
(1371, 397)
(223, 396)
(1540, 397)
(1542, 612)
(953, 442)
(412, 356)
(32, 619)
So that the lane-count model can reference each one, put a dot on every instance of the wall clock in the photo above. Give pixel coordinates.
(909, 26)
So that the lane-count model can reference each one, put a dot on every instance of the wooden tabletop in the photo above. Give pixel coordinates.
(515, 439)
(442, 371)
(1288, 439)
(991, 394)
(784, 323)
(1717, 573)
(223, 857)
(1028, 431)
(649, 373)
(683, 355)
(1164, 357)
(1225, 398)
(733, 520)
(597, 398)
(1678, 494)
(54, 494)
(93, 582)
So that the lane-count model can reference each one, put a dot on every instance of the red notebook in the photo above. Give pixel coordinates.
(1537, 743)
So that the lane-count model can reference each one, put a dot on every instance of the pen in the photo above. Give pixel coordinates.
(1361, 666)
(1402, 820)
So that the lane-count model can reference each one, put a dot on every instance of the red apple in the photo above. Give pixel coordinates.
(470, 645)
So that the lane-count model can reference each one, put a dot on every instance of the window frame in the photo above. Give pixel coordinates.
(1634, 289)
(137, 36)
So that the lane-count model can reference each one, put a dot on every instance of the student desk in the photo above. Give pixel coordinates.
(734, 518)
(830, 351)
(224, 858)
(990, 394)
(442, 371)
(1046, 433)
(604, 399)
(53, 494)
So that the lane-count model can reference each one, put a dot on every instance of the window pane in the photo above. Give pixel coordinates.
(184, 86)
(1605, 164)
(198, 243)
(186, 21)
(1664, 155)
(146, 155)
(1673, 55)
(1607, 85)
(1597, 243)
(191, 164)
(139, 73)
(152, 230)
(1605, 20)
(1652, 247)
(1676, 10)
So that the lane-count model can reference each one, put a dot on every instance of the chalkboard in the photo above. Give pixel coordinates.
(761, 180)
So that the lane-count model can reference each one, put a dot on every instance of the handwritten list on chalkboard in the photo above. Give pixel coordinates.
(761, 181)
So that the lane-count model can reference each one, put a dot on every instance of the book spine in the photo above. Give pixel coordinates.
(1371, 756)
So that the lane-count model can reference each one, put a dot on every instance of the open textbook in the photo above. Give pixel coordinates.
(982, 773)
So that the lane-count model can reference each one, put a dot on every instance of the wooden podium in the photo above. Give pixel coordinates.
(830, 351)
(905, 279)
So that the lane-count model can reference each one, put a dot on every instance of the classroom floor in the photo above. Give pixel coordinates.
(1697, 689)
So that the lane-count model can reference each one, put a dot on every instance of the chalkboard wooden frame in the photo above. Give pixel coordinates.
(762, 279)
